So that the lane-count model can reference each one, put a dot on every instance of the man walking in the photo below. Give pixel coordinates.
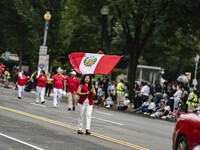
(120, 93)
(58, 87)
(192, 101)
(73, 83)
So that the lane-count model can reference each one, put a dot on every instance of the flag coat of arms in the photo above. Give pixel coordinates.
(89, 63)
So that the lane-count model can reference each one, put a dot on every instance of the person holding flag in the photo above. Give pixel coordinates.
(21, 82)
(85, 103)
(58, 82)
(73, 83)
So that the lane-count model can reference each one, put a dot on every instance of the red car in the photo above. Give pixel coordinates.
(186, 134)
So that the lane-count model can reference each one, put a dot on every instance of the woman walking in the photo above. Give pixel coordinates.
(85, 103)
(40, 88)
(21, 82)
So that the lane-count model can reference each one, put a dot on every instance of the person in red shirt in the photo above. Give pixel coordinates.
(85, 103)
(40, 88)
(58, 82)
(73, 83)
(21, 82)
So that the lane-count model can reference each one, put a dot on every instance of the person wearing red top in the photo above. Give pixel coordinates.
(40, 88)
(58, 81)
(85, 103)
(21, 82)
(73, 83)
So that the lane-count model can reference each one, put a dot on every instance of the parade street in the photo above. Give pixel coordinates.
(25, 125)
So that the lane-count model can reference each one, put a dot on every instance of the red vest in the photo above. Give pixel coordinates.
(82, 98)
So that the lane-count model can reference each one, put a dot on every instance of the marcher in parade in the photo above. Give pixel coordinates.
(40, 88)
(58, 82)
(6, 78)
(85, 103)
(73, 83)
(21, 82)
(49, 85)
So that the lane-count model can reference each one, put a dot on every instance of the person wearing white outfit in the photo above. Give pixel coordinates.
(58, 81)
(40, 88)
(21, 82)
(85, 103)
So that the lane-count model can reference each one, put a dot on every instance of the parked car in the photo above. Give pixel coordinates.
(186, 134)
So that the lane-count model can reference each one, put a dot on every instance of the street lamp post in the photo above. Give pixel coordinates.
(47, 18)
(104, 13)
(195, 72)
(43, 57)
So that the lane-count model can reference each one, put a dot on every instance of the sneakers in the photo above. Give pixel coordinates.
(88, 132)
(80, 132)
(42, 102)
(153, 115)
(145, 113)
(108, 106)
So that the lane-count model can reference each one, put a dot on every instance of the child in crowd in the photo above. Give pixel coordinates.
(126, 103)
(166, 111)
(143, 107)
(160, 110)
(151, 108)
(109, 102)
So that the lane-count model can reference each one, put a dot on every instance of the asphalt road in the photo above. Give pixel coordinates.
(25, 125)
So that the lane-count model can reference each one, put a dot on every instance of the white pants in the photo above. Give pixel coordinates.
(71, 99)
(86, 109)
(20, 90)
(57, 95)
(40, 94)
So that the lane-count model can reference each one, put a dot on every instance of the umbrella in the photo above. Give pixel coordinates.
(182, 78)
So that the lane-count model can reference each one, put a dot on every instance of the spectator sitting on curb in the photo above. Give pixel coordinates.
(126, 103)
(159, 111)
(143, 107)
(151, 108)
(109, 102)
(173, 113)
(166, 111)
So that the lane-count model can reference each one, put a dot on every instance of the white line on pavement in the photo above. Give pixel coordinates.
(108, 121)
(104, 113)
(21, 141)
(38, 105)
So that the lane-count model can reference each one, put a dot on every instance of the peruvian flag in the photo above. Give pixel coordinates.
(88, 63)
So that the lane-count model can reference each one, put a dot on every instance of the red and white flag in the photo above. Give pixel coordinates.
(88, 63)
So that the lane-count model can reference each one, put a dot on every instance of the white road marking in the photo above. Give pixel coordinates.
(38, 105)
(21, 141)
(104, 113)
(108, 121)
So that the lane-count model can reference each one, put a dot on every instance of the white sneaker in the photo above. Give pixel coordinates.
(145, 113)
(163, 117)
(108, 106)
(153, 115)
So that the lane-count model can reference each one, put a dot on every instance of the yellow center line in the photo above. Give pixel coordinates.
(74, 128)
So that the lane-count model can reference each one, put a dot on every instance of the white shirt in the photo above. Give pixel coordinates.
(178, 94)
(145, 90)
(145, 104)
(126, 102)
(167, 108)
(152, 106)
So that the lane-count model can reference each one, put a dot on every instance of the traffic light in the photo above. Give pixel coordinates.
(188, 75)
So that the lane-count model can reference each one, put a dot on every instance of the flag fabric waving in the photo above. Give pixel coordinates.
(89, 63)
